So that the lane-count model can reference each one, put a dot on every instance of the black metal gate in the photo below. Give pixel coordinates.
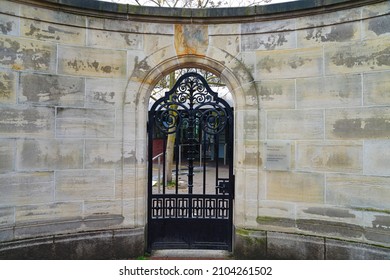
(195, 209)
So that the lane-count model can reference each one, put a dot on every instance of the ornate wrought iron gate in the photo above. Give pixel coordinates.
(194, 210)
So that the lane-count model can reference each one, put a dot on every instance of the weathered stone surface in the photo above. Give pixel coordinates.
(250, 244)
(295, 124)
(8, 87)
(103, 154)
(90, 123)
(272, 41)
(54, 15)
(277, 94)
(64, 34)
(376, 157)
(364, 56)
(330, 91)
(298, 187)
(268, 26)
(326, 227)
(9, 22)
(24, 121)
(41, 248)
(294, 247)
(84, 184)
(333, 18)
(249, 119)
(375, 10)
(26, 188)
(9, 25)
(358, 123)
(129, 243)
(7, 155)
(191, 39)
(376, 88)
(119, 25)
(230, 44)
(306, 62)
(342, 250)
(346, 32)
(267, 210)
(7, 216)
(51, 90)
(49, 154)
(101, 208)
(115, 40)
(85, 246)
(330, 156)
(376, 27)
(358, 191)
(91, 62)
(101, 93)
(19, 54)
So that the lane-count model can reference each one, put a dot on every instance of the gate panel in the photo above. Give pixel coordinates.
(195, 209)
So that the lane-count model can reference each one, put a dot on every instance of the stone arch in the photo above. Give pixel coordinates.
(244, 91)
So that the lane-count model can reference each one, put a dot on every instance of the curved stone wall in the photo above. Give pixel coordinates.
(75, 79)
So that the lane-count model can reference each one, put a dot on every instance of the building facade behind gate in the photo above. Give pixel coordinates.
(311, 90)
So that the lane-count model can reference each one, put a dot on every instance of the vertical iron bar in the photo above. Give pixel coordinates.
(204, 161)
(216, 148)
(164, 162)
(177, 142)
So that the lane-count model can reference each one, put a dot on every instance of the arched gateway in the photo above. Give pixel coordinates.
(195, 209)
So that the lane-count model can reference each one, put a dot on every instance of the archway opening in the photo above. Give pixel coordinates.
(190, 162)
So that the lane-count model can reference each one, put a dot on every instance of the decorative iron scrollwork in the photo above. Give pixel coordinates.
(191, 98)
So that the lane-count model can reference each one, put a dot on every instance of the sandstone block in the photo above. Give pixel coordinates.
(84, 185)
(103, 94)
(8, 87)
(23, 121)
(89, 123)
(267, 26)
(248, 123)
(9, 25)
(297, 187)
(295, 124)
(51, 90)
(376, 88)
(364, 56)
(330, 91)
(64, 34)
(277, 94)
(54, 15)
(19, 54)
(358, 191)
(296, 63)
(48, 213)
(272, 41)
(358, 123)
(346, 32)
(376, 27)
(115, 40)
(7, 217)
(330, 156)
(101, 208)
(91, 62)
(26, 188)
(342, 16)
(7, 155)
(49, 154)
(191, 39)
(294, 247)
(342, 250)
(230, 44)
(103, 154)
(375, 10)
(376, 157)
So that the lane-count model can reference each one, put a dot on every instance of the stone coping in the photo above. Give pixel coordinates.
(209, 15)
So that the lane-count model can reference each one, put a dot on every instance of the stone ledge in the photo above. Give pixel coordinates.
(253, 244)
(104, 244)
(211, 15)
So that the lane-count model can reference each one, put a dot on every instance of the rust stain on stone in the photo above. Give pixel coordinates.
(191, 39)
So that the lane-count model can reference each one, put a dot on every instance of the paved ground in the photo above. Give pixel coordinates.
(190, 255)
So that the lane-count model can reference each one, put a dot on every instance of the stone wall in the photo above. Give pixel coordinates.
(75, 79)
